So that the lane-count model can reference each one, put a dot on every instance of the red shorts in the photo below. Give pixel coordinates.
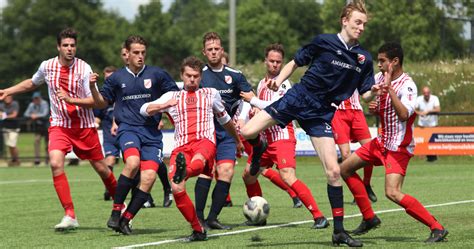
(394, 161)
(203, 147)
(349, 126)
(83, 141)
(281, 153)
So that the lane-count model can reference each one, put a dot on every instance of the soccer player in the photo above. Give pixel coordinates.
(281, 141)
(349, 125)
(105, 118)
(140, 140)
(337, 67)
(72, 119)
(162, 171)
(229, 83)
(394, 146)
(192, 110)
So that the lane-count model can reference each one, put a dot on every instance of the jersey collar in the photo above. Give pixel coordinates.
(130, 71)
(345, 44)
(216, 70)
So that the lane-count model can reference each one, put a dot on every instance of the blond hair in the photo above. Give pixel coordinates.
(354, 5)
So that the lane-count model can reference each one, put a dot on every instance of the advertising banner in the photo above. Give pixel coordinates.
(444, 141)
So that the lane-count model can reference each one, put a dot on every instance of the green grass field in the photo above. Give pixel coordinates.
(30, 209)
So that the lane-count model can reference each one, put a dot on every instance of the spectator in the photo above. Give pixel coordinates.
(11, 127)
(38, 114)
(426, 106)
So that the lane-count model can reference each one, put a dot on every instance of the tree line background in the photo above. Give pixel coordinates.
(28, 29)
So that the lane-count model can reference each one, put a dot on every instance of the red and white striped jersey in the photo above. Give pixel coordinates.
(193, 116)
(74, 80)
(352, 103)
(266, 97)
(396, 135)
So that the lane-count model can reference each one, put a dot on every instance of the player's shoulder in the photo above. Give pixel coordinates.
(208, 90)
(231, 70)
(82, 63)
(408, 83)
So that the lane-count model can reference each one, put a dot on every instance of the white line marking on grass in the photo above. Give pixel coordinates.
(284, 225)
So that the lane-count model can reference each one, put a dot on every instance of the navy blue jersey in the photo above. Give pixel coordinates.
(335, 70)
(106, 117)
(229, 82)
(129, 92)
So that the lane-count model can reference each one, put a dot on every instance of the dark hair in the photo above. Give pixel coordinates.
(354, 5)
(275, 47)
(192, 62)
(134, 39)
(392, 50)
(66, 33)
(210, 36)
(110, 69)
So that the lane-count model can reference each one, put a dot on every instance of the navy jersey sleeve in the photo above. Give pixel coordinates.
(305, 54)
(107, 90)
(99, 113)
(368, 79)
(243, 84)
(167, 83)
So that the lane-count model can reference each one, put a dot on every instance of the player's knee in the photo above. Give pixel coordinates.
(288, 176)
(392, 194)
(178, 188)
(225, 172)
(147, 177)
(248, 179)
(333, 174)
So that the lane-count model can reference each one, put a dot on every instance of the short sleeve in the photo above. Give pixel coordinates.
(436, 101)
(218, 108)
(408, 95)
(305, 54)
(87, 74)
(243, 84)
(39, 77)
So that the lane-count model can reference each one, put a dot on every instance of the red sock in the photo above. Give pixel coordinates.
(111, 184)
(186, 207)
(357, 188)
(416, 210)
(275, 177)
(228, 199)
(127, 215)
(195, 168)
(368, 174)
(307, 198)
(253, 189)
(64, 194)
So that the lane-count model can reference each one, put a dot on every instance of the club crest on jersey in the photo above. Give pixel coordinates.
(147, 83)
(191, 100)
(228, 79)
(361, 58)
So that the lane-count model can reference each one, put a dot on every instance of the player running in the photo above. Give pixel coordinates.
(72, 120)
(140, 140)
(192, 110)
(394, 146)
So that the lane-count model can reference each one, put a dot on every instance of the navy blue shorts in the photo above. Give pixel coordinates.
(225, 144)
(147, 139)
(313, 116)
(111, 148)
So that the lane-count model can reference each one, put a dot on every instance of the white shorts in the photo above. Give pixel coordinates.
(10, 136)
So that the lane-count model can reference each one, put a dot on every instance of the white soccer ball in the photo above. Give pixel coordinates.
(256, 210)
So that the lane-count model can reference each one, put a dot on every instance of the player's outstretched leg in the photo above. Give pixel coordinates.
(259, 146)
(275, 178)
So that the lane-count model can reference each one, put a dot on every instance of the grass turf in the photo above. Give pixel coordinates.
(30, 209)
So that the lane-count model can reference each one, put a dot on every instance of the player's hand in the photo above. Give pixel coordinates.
(272, 84)
(247, 96)
(3, 94)
(114, 129)
(93, 78)
(240, 149)
(160, 125)
(387, 85)
(373, 107)
(62, 95)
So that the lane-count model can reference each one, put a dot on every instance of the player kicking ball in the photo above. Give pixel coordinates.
(192, 110)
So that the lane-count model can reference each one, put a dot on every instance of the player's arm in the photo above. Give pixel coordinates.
(285, 73)
(99, 101)
(22, 87)
(82, 102)
(160, 105)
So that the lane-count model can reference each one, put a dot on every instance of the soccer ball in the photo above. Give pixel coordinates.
(256, 210)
